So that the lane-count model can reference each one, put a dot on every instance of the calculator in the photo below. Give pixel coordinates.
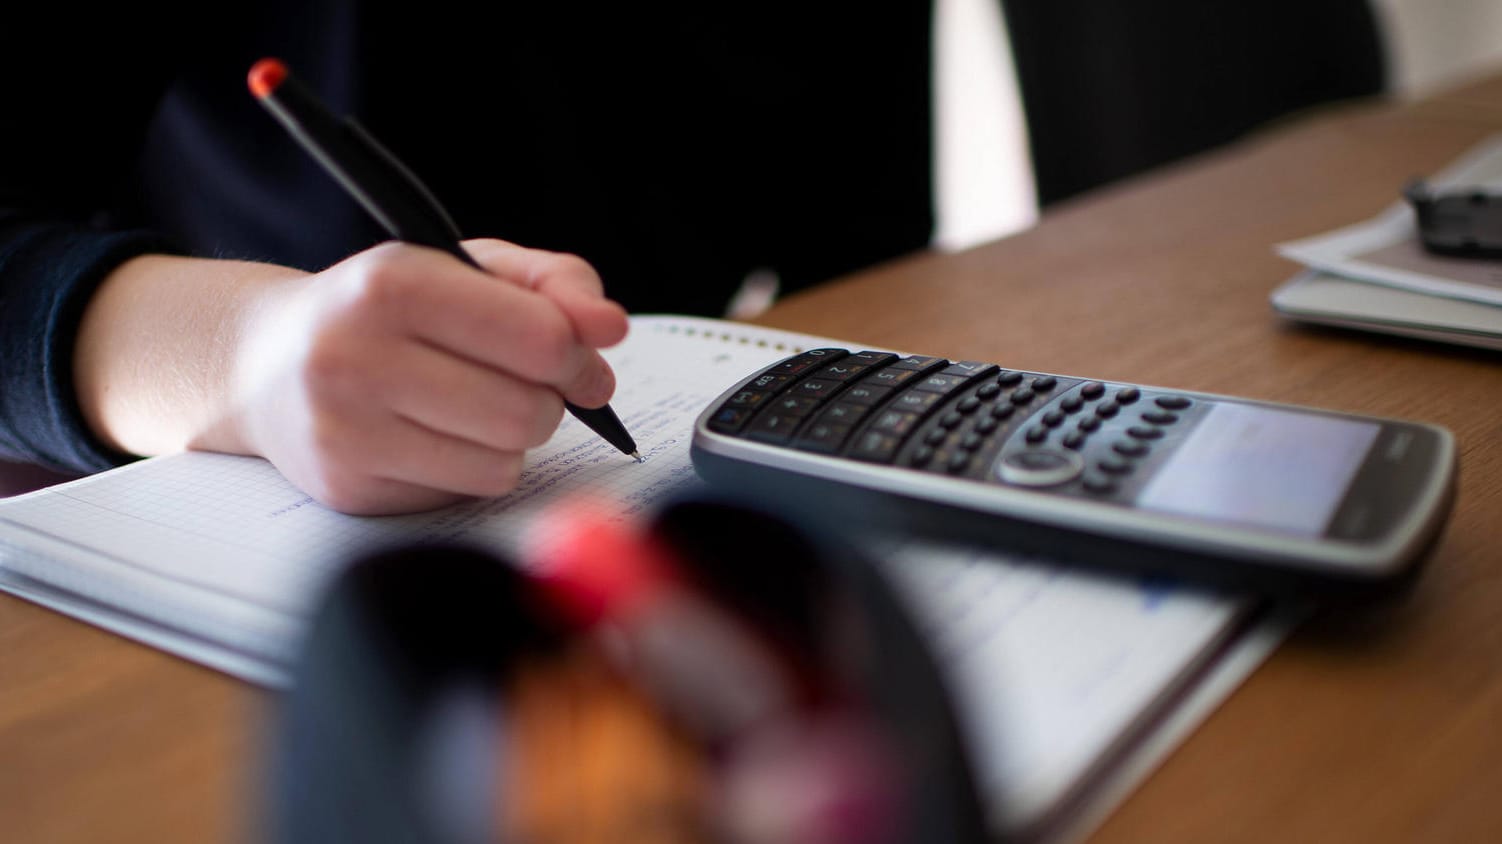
(1149, 480)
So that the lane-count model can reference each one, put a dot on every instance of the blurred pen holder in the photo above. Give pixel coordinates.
(756, 687)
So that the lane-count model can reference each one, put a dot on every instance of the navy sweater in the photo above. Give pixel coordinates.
(676, 150)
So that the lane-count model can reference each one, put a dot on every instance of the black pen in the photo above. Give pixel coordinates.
(386, 189)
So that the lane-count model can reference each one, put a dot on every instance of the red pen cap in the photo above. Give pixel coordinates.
(592, 565)
(265, 75)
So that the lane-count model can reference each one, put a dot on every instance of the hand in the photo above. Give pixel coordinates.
(401, 379)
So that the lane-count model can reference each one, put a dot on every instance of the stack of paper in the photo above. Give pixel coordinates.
(1376, 275)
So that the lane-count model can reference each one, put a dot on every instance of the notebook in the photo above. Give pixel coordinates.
(1070, 685)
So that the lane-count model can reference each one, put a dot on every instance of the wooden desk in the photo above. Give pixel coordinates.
(1384, 727)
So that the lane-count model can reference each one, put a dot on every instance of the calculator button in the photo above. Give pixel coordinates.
(1172, 402)
(1009, 379)
(891, 376)
(1127, 395)
(808, 360)
(823, 438)
(988, 391)
(1160, 417)
(986, 424)
(939, 383)
(951, 419)
(1099, 484)
(916, 401)
(898, 422)
(1044, 383)
(935, 436)
(873, 358)
(1053, 418)
(1039, 467)
(1130, 448)
(921, 456)
(774, 428)
(875, 447)
(1093, 390)
(1022, 396)
(843, 413)
(816, 387)
(1036, 434)
(1143, 432)
(967, 368)
(769, 382)
(915, 363)
(1089, 423)
(968, 405)
(1002, 411)
(1070, 404)
(1074, 440)
(842, 371)
(972, 441)
(1107, 409)
(747, 398)
(1114, 466)
(958, 462)
(728, 420)
(794, 405)
(865, 394)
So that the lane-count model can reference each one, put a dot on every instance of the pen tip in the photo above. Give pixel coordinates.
(265, 76)
(637, 455)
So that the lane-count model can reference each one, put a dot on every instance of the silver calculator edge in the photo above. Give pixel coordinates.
(1340, 559)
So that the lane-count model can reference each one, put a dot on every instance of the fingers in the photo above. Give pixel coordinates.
(567, 280)
(402, 467)
(401, 378)
(467, 401)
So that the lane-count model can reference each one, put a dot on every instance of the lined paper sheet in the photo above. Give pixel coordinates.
(198, 552)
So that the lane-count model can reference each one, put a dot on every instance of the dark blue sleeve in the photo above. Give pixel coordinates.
(48, 272)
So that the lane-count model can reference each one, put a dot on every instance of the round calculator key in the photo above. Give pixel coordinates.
(1002, 411)
(1093, 390)
(1039, 467)
(1143, 432)
(1107, 409)
(1114, 466)
(1071, 404)
(958, 462)
(1089, 423)
(1127, 395)
(986, 424)
(1053, 418)
(972, 441)
(1023, 396)
(951, 419)
(922, 456)
(1129, 448)
(968, 404)
(988, 391)
(1036, 434)
(1099, 484)
(1172, 402)
(1074, 440)
(1009, 379)
(935, 436)
(1044, 383)
(1160, 417)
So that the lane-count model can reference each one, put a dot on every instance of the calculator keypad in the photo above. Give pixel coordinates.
(963, 419)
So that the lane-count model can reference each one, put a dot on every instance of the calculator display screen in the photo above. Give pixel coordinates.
(1260, 467)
